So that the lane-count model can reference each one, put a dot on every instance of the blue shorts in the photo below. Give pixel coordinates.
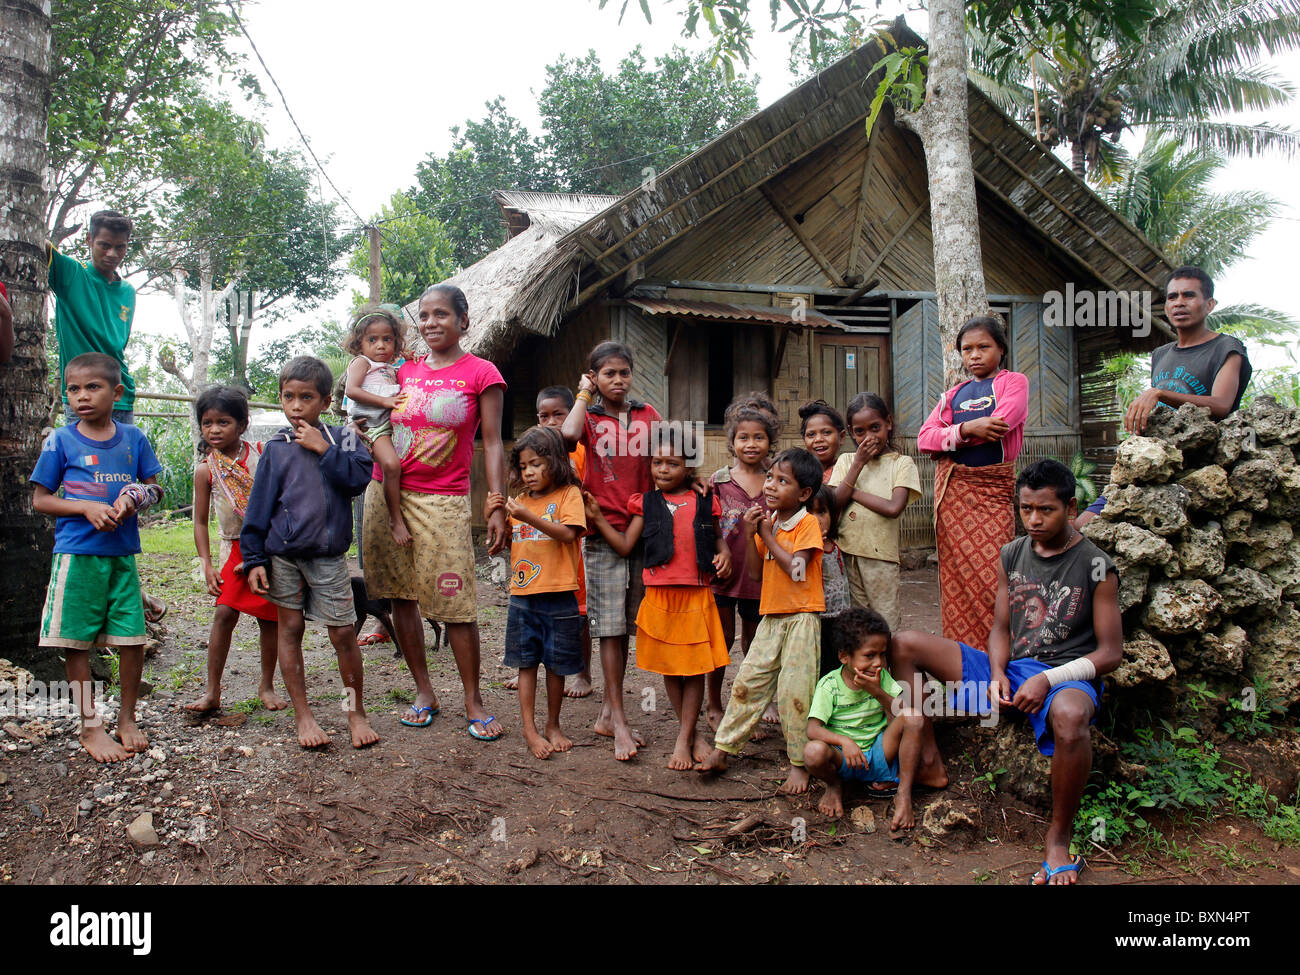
(976, 674)
(877, 768)
(544, 629)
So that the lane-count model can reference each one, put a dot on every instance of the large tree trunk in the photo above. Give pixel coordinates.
(1078, 159)
(239, 313)
(26, 538)
(941, 124)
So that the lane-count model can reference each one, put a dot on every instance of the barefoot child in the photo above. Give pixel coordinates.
(835, 584)
(678, 633)
(785, 548)
(297, 529)
(822, 429)
(372, 390)
(108, 473)
(750, 434)
(872, 486)
(542, 624)
(553, 406)
(615, 432)
(1056, 630)
(228, 465)
(855, 733)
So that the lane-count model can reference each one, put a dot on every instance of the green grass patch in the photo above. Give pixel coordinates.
(174, 538)
(399, 695)
(247, 706)
(1185, 777)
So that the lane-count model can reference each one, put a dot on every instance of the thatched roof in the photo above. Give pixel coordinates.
(525, 284)
(566, 249)
(1012, 170)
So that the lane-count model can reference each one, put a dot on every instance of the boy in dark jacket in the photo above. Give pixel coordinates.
(298, 526)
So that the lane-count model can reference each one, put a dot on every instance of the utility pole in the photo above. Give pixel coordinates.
(373, 233)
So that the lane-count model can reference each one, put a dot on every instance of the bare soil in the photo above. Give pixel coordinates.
(234, 800)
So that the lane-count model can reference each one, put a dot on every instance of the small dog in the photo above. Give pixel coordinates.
(382, 610)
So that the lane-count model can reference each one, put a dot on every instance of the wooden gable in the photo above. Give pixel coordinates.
(852, 211)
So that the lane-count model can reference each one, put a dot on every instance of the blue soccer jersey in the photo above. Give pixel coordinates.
(95, 470)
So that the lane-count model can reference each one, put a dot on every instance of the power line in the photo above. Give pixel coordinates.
(441, 206)
(285, 102)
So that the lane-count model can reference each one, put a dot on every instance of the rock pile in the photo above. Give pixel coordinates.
(1200, 522)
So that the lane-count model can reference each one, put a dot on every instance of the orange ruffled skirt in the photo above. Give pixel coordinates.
(678, 632)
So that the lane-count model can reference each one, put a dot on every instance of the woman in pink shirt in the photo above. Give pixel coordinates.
(975, 431)
(444, 396)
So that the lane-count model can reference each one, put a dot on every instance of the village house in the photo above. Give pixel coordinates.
(793, 254)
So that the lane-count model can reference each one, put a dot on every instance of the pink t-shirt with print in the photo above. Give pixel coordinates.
(435, 422)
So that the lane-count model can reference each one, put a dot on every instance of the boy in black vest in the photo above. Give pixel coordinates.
(1056, 631)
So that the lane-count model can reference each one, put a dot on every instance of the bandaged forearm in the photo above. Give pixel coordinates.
(1080, 669)
(143, 496)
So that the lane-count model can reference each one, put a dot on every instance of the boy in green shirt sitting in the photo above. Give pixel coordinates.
(856, 733)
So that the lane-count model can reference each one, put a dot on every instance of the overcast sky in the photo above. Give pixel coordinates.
(377, 86)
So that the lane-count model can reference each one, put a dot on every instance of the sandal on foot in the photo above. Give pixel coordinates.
(484, 722)
(420, 722)
(1048, 873)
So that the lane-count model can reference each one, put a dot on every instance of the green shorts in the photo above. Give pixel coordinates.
(93, 600)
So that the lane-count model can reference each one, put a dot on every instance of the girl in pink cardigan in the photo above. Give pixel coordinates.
(976, 431)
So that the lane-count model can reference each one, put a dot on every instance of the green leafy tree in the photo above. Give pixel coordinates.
(601, 131)
(325, 341)
(118, 70)
(606, 132)
(1192, 62)
(233, 217)
(494, 153)
(416, 251)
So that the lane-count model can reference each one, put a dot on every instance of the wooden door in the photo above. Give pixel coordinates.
(852, 364)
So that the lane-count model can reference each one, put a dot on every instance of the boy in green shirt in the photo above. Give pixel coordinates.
(856, 733)
(95, 305)
(93, 313)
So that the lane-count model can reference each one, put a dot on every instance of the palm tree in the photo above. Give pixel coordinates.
(1195, 61)
(26, 538)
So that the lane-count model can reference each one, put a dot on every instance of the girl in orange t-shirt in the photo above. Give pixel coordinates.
(542, 622)
(678, 632)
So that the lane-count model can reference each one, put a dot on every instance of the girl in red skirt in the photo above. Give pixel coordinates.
(224, 478)
(678, 632)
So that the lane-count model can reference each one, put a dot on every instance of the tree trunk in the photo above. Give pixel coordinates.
(210, 306)
(1078, 159)
(239, 326)
(26, 538)
(942, 127)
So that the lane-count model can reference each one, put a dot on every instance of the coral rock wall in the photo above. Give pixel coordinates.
(1199, 520)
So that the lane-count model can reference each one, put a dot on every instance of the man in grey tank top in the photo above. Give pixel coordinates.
(1203, 368)
(1056, 630)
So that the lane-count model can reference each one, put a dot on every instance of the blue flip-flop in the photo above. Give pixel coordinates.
(420, 722)
(484, 722)
(1050, 872)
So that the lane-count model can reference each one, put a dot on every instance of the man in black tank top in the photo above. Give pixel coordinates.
(1056, 630)
(1203, 368)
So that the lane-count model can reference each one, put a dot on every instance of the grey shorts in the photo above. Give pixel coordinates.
(321, 588)
(614, 587)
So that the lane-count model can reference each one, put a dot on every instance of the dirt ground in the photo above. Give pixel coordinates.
(234, 800)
